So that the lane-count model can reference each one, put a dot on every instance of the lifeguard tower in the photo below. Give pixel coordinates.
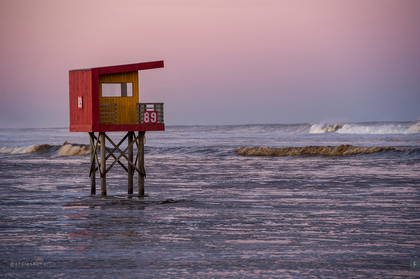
(106, 99)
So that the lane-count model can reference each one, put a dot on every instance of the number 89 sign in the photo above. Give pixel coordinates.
(149, 117)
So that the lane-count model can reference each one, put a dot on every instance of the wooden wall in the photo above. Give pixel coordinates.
(87, 83)
(126, 106)
(80, 84)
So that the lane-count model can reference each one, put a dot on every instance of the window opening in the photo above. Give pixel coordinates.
(124, 89)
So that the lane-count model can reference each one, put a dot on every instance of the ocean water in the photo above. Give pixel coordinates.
(319, 200)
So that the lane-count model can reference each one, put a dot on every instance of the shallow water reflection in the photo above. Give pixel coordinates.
(226, 217)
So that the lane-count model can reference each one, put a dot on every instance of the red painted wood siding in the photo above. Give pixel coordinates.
(80, 84)
(85, 83)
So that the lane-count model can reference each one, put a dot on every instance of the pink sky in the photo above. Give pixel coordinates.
(226, 62)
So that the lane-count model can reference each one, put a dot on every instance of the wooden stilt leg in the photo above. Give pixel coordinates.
(130, 168)
(140, 156)
(103, 164)
(92, 162)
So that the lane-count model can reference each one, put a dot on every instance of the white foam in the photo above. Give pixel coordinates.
(371, 128)
(21, 149)
(69, 149)
(379, 129)
(415, 128)
(323, 128)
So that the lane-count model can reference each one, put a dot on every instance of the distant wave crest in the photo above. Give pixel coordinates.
(340, 150)
(67, 149)
(368, 128)
(24, 149)
(321, 128)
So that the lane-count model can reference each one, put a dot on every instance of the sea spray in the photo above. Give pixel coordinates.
(69, 149)
(321, 128)
(367, 128)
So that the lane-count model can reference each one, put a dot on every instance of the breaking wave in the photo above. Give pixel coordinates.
(24, 149)
(341, 150)
(366, 128)
(67, 149)
(321, 128)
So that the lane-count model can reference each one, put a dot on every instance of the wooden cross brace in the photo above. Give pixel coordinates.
(136, 140)
(122, 153)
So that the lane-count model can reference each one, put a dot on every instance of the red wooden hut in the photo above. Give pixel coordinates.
(106, 99)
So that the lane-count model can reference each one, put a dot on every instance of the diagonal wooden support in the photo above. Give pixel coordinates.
(140, 153)
(92, 163)
(115, 158)
(115, 148)
(99, 142)
(92, 153)
(111, 153)
(93, 168)
(122, 154)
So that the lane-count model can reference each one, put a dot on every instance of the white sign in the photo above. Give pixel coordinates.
(80, 102)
